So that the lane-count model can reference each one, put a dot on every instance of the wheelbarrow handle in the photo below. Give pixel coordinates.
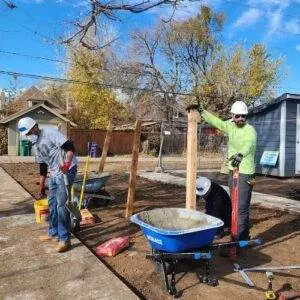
(250, 243)
(240, 244)
(197, 255)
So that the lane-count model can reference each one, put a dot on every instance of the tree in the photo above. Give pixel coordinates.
(56, 92)
(250, 76)
(95, 102)
(173, 57)
(161, 85)
(111, 10)
(195, 61)
(196, 44)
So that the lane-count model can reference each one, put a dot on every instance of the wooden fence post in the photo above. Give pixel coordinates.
(134, 166)
(191, 166)
(105, 147)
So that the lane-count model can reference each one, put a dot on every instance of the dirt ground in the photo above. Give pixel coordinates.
(279, 231)
(282, 187)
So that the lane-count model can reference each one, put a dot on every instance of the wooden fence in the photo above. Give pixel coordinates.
(120, 143)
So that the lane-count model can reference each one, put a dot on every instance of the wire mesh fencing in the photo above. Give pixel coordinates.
(171, 145)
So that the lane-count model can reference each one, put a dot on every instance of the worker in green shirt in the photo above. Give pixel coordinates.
(241, 151)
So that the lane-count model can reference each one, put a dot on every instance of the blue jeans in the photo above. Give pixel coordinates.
(59, 217)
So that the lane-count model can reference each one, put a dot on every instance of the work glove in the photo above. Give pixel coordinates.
(236, 159)
(65, 167)
(198, 106)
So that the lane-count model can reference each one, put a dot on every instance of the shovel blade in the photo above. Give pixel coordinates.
(72, 209)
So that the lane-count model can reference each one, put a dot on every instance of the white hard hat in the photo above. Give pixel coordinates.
(25, 124)
(202, 185)
(239, 108)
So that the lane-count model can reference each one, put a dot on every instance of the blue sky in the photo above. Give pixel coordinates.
(34, 26)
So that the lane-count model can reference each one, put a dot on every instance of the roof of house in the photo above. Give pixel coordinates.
(25, 111)
(273, 102)
(21, 101)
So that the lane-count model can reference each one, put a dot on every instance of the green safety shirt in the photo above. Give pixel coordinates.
(240, 140)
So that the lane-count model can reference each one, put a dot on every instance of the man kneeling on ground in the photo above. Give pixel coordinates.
(217, 202)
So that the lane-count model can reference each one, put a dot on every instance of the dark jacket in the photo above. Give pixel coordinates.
(218, 204)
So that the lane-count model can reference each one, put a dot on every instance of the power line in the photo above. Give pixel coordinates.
(32, 56)
(112, 86)
(62, 61)
(72, 81)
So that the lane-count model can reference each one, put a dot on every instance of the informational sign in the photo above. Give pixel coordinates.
(166, 132)
(269, 158)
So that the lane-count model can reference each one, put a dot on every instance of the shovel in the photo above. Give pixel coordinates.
(72, 209)
(84, 182)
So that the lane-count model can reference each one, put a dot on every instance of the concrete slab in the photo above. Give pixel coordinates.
(34, 270)
(265, 200)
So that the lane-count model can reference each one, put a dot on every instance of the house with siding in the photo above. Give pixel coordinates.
(278, 135)
(35, 104)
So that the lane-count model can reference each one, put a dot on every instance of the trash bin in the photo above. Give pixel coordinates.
(25, 148)
(93, 149)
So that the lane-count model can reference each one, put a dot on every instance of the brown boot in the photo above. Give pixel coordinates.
(63, 246)
(48, 238)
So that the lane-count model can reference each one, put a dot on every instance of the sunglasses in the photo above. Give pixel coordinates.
(240, 116)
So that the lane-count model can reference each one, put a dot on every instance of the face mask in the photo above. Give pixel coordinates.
(33, 138)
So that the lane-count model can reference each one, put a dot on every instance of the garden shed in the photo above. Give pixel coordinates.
(45, 116)
(278, 136)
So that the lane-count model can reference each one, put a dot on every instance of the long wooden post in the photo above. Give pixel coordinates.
(191, 166)
(105, 147)
(134, 166)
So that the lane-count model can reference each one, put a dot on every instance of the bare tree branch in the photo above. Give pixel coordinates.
(110, 10)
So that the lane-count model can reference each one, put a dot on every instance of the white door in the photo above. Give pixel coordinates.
(44, 125)
(297, 166)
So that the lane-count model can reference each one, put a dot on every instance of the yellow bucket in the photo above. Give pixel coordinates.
(41, 209)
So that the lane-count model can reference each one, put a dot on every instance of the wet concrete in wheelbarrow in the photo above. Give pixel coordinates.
(279, 230)
(171, 219)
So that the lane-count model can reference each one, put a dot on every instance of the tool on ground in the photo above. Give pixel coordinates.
(269, 294)
(94, 189)
(274, 269)
(242, 271)
(244, 275)
(234, 212)
(75, 213)
(83, 182)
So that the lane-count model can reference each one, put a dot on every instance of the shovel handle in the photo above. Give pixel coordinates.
(65, 177)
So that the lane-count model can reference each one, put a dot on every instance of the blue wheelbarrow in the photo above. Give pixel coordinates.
(94, 184)
(94, 188)
(176, 234)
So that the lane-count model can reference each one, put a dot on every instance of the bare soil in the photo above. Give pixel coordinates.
(282, 187)
(279, 231)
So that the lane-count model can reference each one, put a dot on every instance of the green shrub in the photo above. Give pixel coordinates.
(154, 144)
